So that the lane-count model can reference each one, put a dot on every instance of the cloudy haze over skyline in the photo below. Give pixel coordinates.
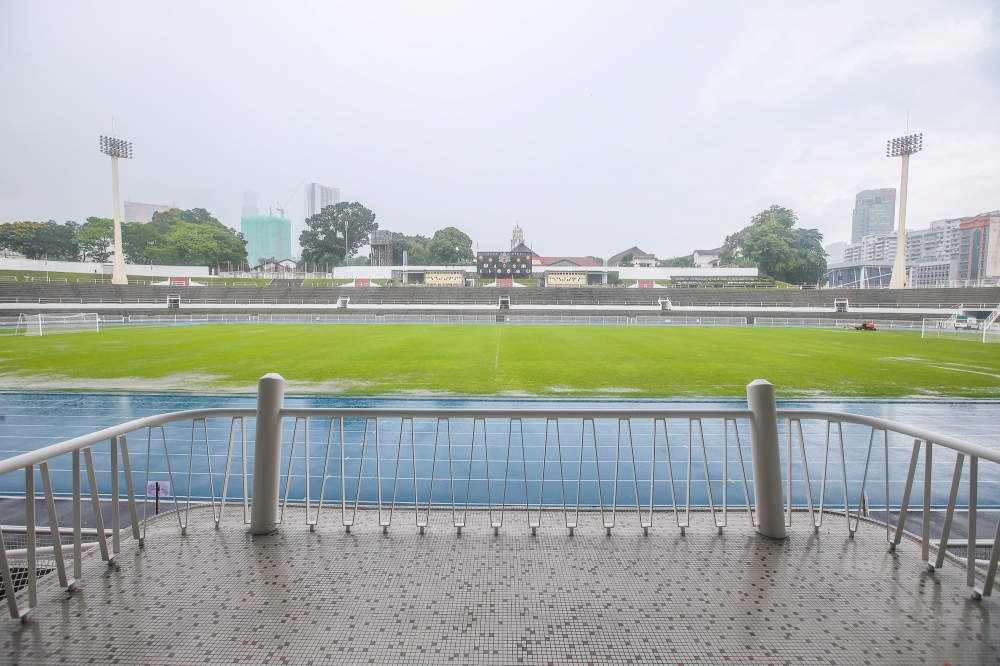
(593, 126)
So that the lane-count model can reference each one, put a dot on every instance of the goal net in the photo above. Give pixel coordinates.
(959, 330)
(46, 324)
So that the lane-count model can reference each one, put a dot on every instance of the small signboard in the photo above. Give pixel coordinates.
(151, 488)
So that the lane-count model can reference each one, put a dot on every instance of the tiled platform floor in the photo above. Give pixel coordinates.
(297, 597)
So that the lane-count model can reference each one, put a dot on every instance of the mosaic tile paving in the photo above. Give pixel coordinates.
(328, 597)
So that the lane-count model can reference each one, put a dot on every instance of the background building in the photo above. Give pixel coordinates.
(939, 242)
(706, 258)
(835, 252)
(249, 204)
(949, 252)
(878, 247)
(565, 261)
(136, 211)
(859, 275)
(318, 197)
(268, 238)
(874, 213)
(517, 243)
(639, 257)
(979, 249)
(517, 238)
(932, 272)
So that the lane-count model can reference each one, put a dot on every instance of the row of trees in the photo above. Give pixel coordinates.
(447, 247)
(332, 237)
(38, 240)
(175, 237)
(337, 232)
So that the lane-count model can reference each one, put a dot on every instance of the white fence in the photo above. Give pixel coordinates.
(816, 322)
(179, 319)
(787, 322)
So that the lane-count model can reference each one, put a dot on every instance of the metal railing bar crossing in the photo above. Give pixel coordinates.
(743, 470)
(243, 467)
(95, 502)
(129, 489)
(950, 513)
(322, 487)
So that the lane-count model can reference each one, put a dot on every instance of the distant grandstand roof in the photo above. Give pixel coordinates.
(567, 261)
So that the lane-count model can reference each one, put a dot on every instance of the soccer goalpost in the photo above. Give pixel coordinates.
(962, 327)
(46, 324)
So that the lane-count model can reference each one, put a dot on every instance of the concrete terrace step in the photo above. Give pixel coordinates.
(19, 296)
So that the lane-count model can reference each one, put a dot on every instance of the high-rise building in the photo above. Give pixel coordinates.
(249, 204)
(939, 242)
(268, 238)
(979, 252)
(874, 213)
(835, 252)
(877, 247)
(318, 197)
(136, 211)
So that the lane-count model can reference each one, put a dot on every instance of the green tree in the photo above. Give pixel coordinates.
(184, 238)
(40, 240)
(772, 244)
(415, 246)
(626, 261)
(450, 247)
(678, 262)
(323, 242)
(96, 238)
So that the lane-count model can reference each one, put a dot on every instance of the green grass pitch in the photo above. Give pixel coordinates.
(504, 360)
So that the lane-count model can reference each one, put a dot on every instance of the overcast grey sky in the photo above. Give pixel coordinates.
(595, 126)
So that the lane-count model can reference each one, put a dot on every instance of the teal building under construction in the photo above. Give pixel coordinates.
(268, 237)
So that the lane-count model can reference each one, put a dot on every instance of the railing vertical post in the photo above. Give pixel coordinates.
(766, 459)
(267, 454)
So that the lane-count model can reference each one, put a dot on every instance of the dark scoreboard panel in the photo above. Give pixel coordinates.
(504, 264)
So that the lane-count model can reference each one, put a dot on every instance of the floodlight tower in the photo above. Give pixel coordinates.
(903, 147)
(115, 148)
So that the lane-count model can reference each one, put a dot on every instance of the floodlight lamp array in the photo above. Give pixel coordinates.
(904, 145)
(116, 147)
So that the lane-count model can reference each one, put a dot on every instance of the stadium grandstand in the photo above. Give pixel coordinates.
(296, 298)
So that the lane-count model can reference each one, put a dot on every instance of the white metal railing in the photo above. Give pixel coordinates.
(818, 322)
(435, 465)
(160, 320)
